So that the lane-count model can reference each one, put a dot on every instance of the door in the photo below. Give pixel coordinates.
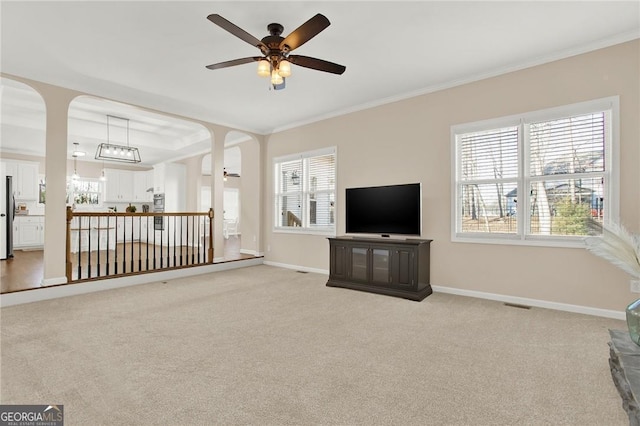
(231, 204)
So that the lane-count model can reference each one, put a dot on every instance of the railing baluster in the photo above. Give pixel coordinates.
(89, 247)
(175, 243)
(161, 244)
(108, 235)
(98, 258)
(168, 242)
(193, 233)
(132, 259)
(79, 248)
(154, 243)
(147, 258)
(181, 241)
(124, 245)
(115, 257)
(139, 243)
(197, 219)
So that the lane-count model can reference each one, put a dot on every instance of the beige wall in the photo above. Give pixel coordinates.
(409, 141)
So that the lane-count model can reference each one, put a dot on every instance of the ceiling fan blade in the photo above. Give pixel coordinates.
(305, 32)
(234, 62)
(236, 31)
(316, 64)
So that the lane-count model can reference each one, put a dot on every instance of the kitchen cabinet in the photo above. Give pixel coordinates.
(126, 186)
(10, 168)
(28, 231)
(119, 185)
(27, 184)
(25, 178)
(142, 181)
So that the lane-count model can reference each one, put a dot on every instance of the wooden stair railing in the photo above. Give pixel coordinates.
(107, 245)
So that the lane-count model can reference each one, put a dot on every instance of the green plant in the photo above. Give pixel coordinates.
(571, 218)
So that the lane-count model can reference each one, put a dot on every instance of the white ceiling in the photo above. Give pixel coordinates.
(153, 54)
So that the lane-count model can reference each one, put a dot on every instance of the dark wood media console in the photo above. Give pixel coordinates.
(393, 267)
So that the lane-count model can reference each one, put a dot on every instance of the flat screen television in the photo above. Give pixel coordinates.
(384, 210)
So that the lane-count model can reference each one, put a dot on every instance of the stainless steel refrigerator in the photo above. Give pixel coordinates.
(7, 213)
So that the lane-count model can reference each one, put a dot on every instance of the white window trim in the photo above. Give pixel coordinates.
(274, 201)
(612, 170)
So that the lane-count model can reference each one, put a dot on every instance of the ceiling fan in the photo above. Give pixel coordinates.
(276, 58)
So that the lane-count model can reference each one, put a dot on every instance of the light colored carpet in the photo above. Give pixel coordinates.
(264, 345)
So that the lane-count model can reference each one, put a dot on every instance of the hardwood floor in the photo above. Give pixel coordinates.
(26, 269)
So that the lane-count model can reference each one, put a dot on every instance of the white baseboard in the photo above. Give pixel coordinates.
(298, 268)
(53, 281)
(46, 293)
(249, 252)
(587, 310)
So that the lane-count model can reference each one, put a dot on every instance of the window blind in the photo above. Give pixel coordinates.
(568, 145)
(489, 155)
(305, 191)
(546, 178)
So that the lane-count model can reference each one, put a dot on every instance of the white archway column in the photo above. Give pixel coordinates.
(217, 191)
(57, 102)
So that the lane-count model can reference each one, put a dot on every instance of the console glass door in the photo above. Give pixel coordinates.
(359, 263)
(380, 270)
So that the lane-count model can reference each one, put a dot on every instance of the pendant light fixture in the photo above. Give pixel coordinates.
(115, 152)
(75, 156)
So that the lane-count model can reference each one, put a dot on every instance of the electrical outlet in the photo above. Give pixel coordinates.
(635, 286)
(269, 247)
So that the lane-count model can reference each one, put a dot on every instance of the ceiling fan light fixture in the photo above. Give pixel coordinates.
(264, 68)
(284, 68)
(276, 78)
(275, 60)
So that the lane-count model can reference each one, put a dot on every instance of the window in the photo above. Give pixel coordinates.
(305, 192)
(84, 192)
(541, 178)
